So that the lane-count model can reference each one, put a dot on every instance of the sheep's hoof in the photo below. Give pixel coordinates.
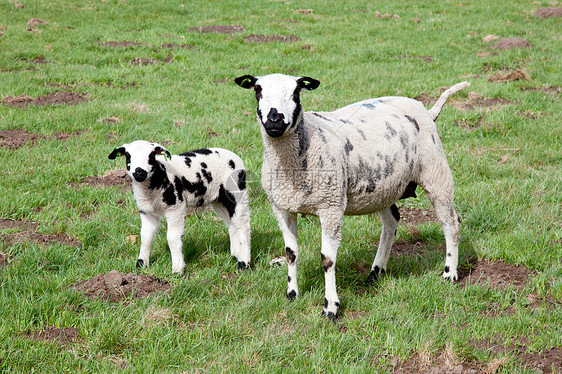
(449, 275)
(330, 316)
(242, 265)
(374, 276)
(292, 295)
(140, 263)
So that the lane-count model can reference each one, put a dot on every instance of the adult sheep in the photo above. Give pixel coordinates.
(359, 159)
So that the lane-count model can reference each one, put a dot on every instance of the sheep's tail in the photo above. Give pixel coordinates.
(443, 98)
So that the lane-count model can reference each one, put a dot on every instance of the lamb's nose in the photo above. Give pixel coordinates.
(275, 116)
(140, 175)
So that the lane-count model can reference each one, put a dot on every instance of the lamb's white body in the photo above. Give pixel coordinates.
(359, 159)
(166, 185)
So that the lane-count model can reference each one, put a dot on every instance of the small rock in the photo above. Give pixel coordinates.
(113, 279)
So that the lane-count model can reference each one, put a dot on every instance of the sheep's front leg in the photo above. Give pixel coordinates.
(331, 235)
(149, 225)
(288, 224)
(389, 217)
(176, 221)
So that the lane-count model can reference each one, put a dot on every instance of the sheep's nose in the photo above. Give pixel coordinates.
(140, 175)
(274, 116)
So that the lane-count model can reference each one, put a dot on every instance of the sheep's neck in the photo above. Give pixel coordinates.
(284, 153)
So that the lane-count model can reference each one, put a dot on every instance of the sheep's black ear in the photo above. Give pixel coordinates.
(246, 81)
(163, 151)
(307, 83)
(120, 151)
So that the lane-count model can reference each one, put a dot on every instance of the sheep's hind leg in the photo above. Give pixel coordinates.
(149, 225)
(176, 222)
(288, 224)
(238, 231)
(331, 222)
(389, 217)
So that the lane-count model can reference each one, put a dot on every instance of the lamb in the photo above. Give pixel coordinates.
(358, 159)
(166, 185)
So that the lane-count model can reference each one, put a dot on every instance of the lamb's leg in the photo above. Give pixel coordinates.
(331, 222)
(149, 225)
(238, 231)
(389, 218)
(288, 224)
(176, 221)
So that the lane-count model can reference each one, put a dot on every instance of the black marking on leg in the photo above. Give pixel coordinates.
(395, 212)
(449, 254)
(290, 255)
(140, 263)
(337, 304)
(292, 295)
(325, 303)
(447, 269)
(374, 275)
(326, 262)
(410, 191)
(414, 122)
(331, 316)
(289, 279)
(241, 265)
(227, 200)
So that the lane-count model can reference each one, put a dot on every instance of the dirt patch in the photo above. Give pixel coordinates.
(548, 89)
(4, 260)
(509, 76)
(495, 274)
(217, 29)
(27, 231)
(116, 287)
(54, 98)
(475, 101)
(426, 363)
(271, 38)
(14, 139)
(40, 60)
(149, 61)
(115, 44)
(407, 248)
(511, 43)
(543, 13)
(65, 337)
(116, 177)
(416, 216)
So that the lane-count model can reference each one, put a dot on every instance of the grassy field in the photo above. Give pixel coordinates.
(149, 70)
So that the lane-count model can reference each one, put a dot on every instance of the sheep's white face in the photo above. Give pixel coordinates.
(140, 156)
(278, 99)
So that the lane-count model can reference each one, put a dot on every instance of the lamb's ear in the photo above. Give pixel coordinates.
(246, 81)
(307, 83)
(119, 151)
(163, 151)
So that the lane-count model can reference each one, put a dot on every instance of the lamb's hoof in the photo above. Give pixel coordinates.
(140, 263)
(449, 275)
(242, 265)
(374, 276)
(292, 295)
(330, 316)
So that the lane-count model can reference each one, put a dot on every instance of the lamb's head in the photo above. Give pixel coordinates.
(278, 96)
(141, 158)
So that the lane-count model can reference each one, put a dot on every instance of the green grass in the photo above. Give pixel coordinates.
(507, 185)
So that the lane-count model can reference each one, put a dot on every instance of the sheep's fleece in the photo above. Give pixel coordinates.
(359, 159)
(166, 185)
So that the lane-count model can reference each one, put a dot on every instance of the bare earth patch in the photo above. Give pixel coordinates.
(27, 231)
(116, 177)
(547, 89)
(4, 260)
(54, 98)
(218, 29)
(65, 337)
(475, 101)
(509, 76)
(416, 216)
(14, 139)
(271, 38)
(543, 13)
(115, 287)
(511, 43)
(496, 275)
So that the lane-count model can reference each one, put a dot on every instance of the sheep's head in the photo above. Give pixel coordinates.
(141, 158)
(278, 96)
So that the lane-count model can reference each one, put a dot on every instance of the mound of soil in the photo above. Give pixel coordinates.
(14, 139)
(547, 89)
(63, 336)
(218, 29)
(116, 287)
(54, 98)
(511, 75)
(543, 13)
(496, 275)
(475, 101)
(511, 43)
(116, 177)
(271, 38)
(27, 231)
